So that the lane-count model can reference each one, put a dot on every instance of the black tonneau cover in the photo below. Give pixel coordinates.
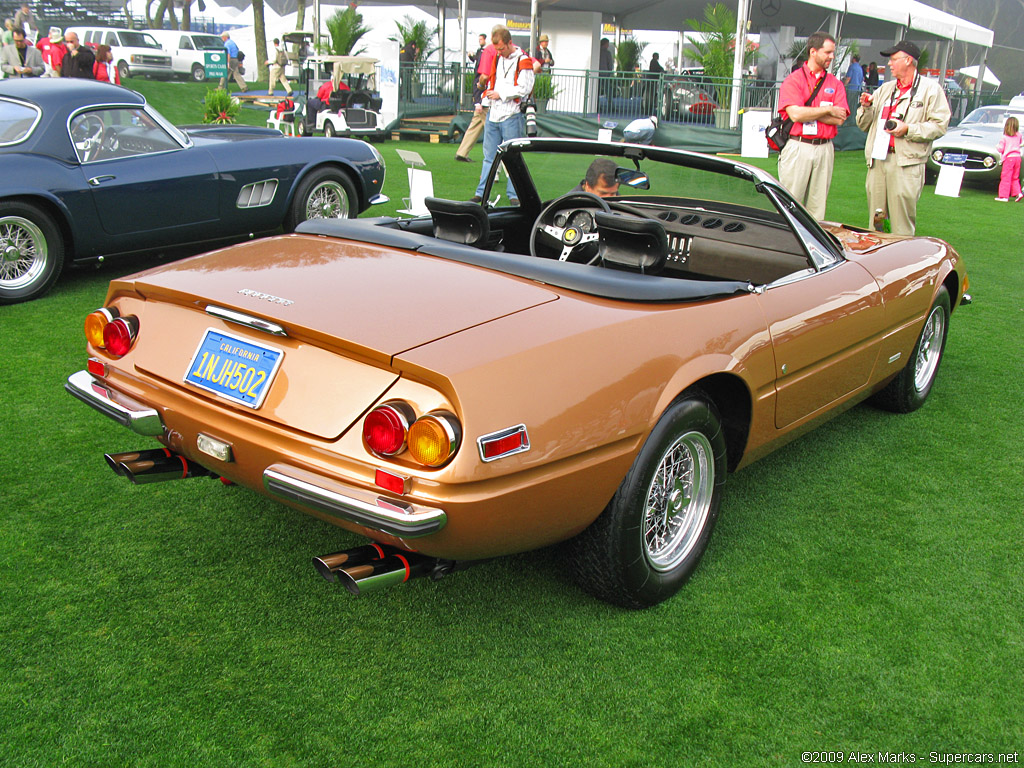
(591, 280)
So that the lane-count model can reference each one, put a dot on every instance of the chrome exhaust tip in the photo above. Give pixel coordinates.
(329, 565)
(115, 460)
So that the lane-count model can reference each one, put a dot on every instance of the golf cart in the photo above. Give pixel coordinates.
(353, 112)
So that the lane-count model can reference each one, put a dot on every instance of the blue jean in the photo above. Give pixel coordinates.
(494, 134)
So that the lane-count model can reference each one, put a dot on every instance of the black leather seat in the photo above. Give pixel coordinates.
(459, 221)
(634, 244)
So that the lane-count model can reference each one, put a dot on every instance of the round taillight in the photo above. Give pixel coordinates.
(434, 438)
(385, 428)
(119, 335)
(96, 322)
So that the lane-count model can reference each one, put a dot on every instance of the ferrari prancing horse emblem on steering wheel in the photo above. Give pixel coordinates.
(571, 235)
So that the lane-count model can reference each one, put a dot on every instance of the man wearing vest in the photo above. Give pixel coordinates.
(902, 119)
(511, 80)
(805, 163)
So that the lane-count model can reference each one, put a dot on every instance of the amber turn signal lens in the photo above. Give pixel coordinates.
(434, 438)
(96, 322)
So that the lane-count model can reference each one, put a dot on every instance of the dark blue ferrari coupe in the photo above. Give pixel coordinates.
(89, 170)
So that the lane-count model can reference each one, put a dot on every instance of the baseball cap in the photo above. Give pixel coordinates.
(904, 46)
(56, 35)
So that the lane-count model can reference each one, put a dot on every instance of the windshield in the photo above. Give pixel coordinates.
(138, 40)
(208, 42)
(991, 116)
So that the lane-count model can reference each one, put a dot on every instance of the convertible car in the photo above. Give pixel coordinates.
(90, 170)
(494, 378)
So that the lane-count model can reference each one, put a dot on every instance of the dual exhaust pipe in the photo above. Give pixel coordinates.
(368, 568)
(154, 466)
(377, 566)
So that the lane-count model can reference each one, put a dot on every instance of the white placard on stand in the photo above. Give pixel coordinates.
(604, 134)
(949, 181)
(753, 125)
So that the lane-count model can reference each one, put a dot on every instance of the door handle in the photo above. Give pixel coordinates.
(95, 181)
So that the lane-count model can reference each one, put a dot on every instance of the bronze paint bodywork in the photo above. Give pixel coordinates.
(589, 377)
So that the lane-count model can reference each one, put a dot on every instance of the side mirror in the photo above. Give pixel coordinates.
(632, 179)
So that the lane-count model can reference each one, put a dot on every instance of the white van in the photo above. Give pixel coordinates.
(188, 50)
(135, 52)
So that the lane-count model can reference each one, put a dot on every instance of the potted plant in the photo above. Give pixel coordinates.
(220, 107)
(715, 54)
(416, 33)
(346, 28)
(544, 89)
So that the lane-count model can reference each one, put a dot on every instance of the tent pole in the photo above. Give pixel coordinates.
(742, 14)
(463, 14)
(533, 27)
(982, 69)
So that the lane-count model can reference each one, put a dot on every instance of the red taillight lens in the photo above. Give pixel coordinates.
(385, 428)
(435, 438)
(119, 335)
(96, 323)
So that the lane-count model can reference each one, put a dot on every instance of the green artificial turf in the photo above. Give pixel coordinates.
(862, 591)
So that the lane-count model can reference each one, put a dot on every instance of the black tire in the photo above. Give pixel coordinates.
(329, 131)
(908, 391)
(31, 252)
(123, 71)
(326, 193)
(651, 536)
(198, 73)
(300, 126)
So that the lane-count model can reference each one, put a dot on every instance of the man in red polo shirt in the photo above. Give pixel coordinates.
(805, 163)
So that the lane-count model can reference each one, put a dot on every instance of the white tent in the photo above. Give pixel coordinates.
(989, 79)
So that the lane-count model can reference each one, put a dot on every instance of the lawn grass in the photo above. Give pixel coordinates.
(862, 591)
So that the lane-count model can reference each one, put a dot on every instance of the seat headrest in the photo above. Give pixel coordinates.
(459, 221)
(633, 243)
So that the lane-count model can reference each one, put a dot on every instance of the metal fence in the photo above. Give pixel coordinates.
(429, 89)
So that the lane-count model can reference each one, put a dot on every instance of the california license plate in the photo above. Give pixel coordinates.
(234, 368)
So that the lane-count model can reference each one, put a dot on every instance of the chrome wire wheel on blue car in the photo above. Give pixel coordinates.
(678, 501)
(326, 193)
(31, 252)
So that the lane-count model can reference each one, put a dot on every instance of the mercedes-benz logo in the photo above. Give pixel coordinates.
(771, 7)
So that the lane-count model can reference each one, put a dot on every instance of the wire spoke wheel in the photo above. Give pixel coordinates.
(929, 350)
(327, 201)
(678, 501)
(23, 252)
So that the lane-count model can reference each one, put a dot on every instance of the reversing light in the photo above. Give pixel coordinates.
(95, 322)
(120, 334)
(386, 427)
(434, 438)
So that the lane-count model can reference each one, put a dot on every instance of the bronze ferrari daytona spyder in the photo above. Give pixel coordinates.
(495, 378)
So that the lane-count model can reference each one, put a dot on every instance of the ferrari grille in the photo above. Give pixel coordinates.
(257, 195)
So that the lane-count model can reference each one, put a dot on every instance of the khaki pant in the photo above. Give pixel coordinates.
(277, 73)
(895, 189)
(469, 138)
(234, 74)
(806, 171)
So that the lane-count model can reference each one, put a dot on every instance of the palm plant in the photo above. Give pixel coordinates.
(627, 54)
(346, 28)
(715, 51)
(416, 32)
(220, 107)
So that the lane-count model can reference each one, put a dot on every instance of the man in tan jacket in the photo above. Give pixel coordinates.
(902, 119)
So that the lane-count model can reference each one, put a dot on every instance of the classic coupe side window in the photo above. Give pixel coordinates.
(16, 121)
(116, 132)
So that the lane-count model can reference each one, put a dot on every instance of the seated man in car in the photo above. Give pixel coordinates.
(322, 99)
(601, 179)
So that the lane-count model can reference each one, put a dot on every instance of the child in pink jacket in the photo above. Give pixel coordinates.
(1009, 148)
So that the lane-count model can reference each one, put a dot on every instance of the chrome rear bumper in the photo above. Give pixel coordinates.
(141, 420)
(355, 505)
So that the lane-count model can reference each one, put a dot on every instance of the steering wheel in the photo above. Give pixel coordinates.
(110, 143)
(567, 241)
(88, 135)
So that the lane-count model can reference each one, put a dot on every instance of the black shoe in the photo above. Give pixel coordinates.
(476, 199)
(513, 201)
(462, 159)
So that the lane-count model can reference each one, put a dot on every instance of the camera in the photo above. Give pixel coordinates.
(890, 125)
(529, 109)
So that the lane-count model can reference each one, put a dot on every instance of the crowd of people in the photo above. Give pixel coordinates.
(26, 53)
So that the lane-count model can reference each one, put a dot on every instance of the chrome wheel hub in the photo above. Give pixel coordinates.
(23, 250)
(678, 501)
(327, 201)
(929, 350)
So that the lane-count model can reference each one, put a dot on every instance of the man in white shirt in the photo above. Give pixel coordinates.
(511, 80)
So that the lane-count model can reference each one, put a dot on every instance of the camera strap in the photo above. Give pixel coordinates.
(894, 98)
